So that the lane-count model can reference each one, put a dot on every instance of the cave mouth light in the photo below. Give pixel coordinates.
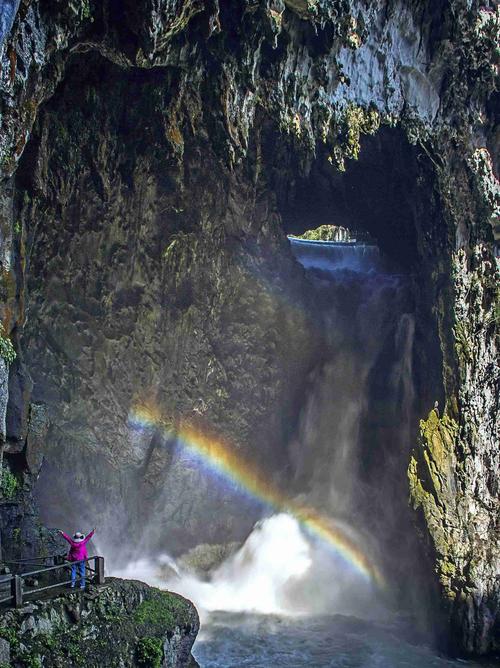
(330, 248)
(334, 234)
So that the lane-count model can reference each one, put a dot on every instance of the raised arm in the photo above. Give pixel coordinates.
(88, 536)
(65, 536)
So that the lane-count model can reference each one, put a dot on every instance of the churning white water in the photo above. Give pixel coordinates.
(250, 609)
(256, 578)
(278, 570)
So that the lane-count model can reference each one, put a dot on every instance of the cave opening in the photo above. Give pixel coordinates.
(387, 193)
(368, 273)
(106, 203)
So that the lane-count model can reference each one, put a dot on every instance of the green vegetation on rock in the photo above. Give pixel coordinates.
(30, 660)
(123, 623)
(150, 652)
(9, 484)
(6, 348)
(432, 490)
(356, 121)
(438, 437)
(163, 610)
(325, 233)
(8, 634)
(81, 8)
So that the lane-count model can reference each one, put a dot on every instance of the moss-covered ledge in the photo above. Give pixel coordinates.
(123, 623)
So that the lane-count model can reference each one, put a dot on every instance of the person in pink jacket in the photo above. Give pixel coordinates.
(77, 552)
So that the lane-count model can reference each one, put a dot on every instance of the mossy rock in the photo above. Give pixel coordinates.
(163, 611)
(325, 233)
(120, 623)
(205, 557)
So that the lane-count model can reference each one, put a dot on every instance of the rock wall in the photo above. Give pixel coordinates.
(142, 229)
(159, 287)
(122, 623)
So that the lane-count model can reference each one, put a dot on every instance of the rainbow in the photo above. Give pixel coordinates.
(222, 458)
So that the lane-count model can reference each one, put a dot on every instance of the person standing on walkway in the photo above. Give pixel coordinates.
(77, 552)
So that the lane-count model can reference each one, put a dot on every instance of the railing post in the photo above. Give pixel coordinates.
(16, 591)
(99, 570)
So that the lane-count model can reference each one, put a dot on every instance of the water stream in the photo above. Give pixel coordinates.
(337, 641)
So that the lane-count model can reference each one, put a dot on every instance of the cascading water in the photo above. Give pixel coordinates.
(333, 256)
(361, 397)
(283, 597)
(356, 429)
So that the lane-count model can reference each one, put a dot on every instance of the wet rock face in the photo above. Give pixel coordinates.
(453, 474)
(144, 264)
(160, 288)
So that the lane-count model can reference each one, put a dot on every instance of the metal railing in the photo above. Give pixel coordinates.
(19, 589)
(17, 565)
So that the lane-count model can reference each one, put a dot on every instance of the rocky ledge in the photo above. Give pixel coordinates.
(123, 623)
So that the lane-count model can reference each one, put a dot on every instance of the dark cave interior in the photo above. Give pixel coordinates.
(387, 192)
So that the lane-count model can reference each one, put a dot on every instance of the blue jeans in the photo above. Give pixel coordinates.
(74, 568)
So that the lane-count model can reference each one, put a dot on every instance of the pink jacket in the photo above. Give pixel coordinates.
(78, 549)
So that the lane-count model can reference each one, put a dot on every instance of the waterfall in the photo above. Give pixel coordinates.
(354, 429)
(334, 255)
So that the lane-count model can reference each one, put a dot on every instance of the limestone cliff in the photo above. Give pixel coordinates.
(153, 156)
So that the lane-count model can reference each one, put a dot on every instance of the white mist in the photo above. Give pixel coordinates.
(278, 570)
